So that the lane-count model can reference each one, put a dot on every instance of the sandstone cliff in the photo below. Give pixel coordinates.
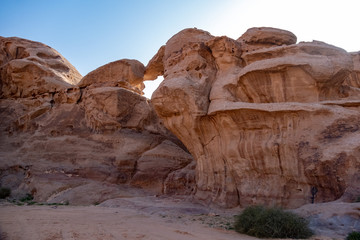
(83, 143)
(266, 119)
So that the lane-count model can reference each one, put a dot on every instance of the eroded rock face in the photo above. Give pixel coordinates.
(164, 159)
(123, 73)
(264, 37)
(81, 143)
(31, 68)
(265, 118)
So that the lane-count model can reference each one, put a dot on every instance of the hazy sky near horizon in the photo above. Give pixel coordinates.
(92, 33)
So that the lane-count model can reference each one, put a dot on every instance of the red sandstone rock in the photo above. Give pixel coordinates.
(265, 37)
(265, 119)
(123, 73)
(155, 165)
(31, 68)
(155, 66)
(62, 142)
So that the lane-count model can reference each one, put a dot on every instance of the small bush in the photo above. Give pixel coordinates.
(31, 203)
(5, 192)
(264, 222)
(357, 199)
(28, 197)
(353, 236)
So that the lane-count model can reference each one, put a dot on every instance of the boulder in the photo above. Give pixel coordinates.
(30, 68)
(123, 73)
(111, 108)
(265, 37)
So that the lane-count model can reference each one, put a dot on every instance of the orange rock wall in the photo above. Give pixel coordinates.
(266, 119)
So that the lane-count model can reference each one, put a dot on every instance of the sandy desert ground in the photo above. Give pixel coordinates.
(145, 217)
(117, 219)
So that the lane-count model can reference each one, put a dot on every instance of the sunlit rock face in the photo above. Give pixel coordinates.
(124, 73)
(31, 68)
(266, 119)
(82, 140)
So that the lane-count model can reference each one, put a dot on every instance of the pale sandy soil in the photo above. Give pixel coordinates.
(101, 223)
(143, 217)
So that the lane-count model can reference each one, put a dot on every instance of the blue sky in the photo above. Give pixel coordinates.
(92, 33)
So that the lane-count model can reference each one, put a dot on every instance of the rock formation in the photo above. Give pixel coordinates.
(123, 73)
(81, 143)
(30, 68)
(266, 119)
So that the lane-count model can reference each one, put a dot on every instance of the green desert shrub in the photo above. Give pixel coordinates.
(262, 222)
(5, 192)
(353, 236)
(27, 198)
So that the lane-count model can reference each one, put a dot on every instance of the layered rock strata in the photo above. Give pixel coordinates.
(65, 137)
(266, 119)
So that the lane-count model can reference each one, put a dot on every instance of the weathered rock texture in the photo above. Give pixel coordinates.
(125, 73)
(265, 118)
(30, 68)
(62, 142)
